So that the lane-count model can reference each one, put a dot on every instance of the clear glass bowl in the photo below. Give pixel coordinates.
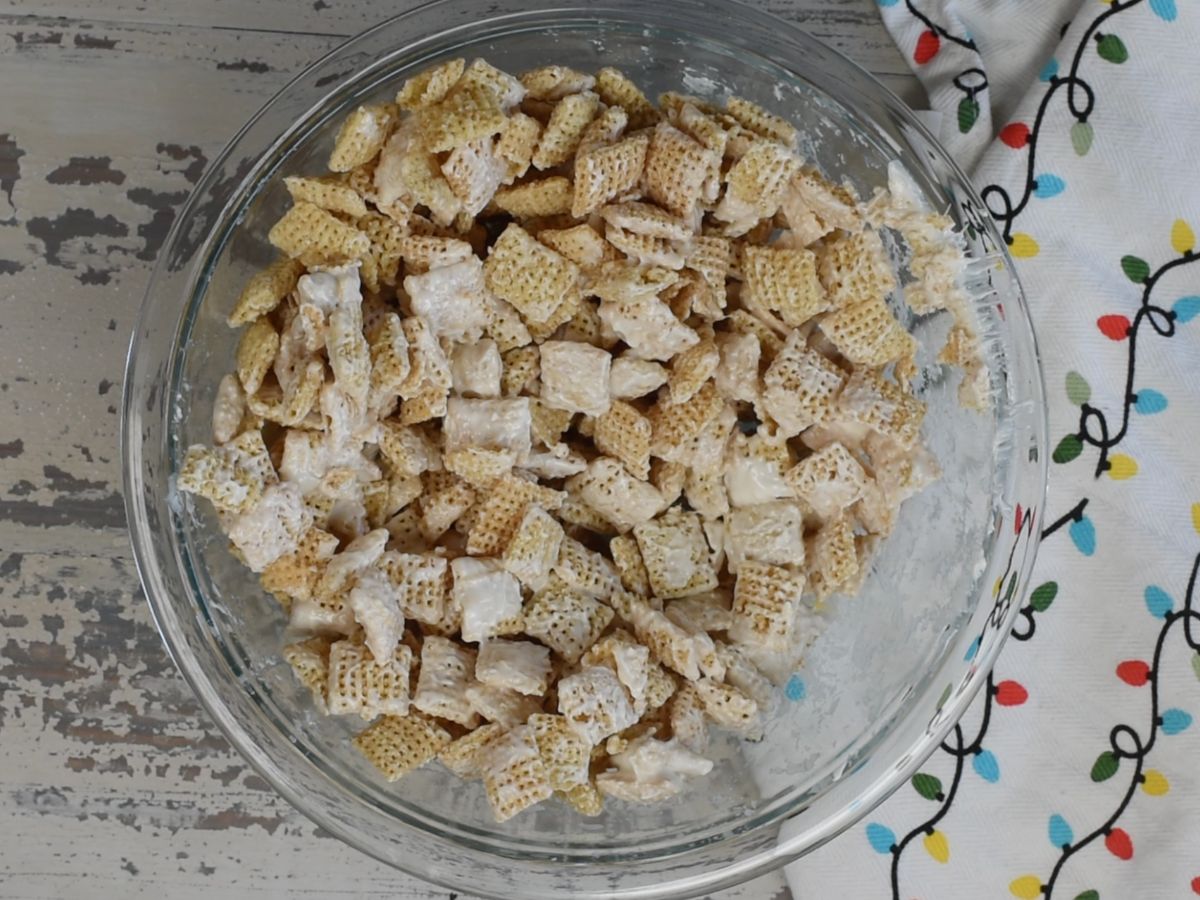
(898, 664)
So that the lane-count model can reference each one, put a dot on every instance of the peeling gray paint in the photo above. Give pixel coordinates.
(163, 204)
(73, 225)
(58, 480)
(11, 564)
(191, 153)
(95, 276)
(245, 65)
(87, 170)
(105, 512)
(32, 38)
(94, 42)
(10, 169)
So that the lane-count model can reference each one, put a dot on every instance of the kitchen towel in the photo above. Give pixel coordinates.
(1079, 776)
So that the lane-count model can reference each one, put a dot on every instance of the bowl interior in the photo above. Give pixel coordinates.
(866, 701)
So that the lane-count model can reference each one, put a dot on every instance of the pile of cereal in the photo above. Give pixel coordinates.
(559, 417)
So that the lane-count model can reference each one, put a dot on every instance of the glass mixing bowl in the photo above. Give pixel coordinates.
(898, 664)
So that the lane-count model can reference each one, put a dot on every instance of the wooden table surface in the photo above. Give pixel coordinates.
(113, 782)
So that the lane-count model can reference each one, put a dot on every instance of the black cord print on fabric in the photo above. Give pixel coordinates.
(938, 29)
(957, 747)
(944, 803)
(1040, 599)
(1126, 743)
(1128, 746)
(1074, 515)
(970, 82)
(1004, 210)
(1094, 429)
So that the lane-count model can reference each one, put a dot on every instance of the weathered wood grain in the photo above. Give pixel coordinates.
(113, 783)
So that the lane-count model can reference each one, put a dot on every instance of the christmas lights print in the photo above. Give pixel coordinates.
(1081, 102)
(1129, 747)
(1157, 310)
(971, 81)
(883, 840)
(1006, 693)
(1127, 752)
(1094, 426)
(937, 31)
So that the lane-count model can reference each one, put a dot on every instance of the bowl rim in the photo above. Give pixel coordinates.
(141, 532)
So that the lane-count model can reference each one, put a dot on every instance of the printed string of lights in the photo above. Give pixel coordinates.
(1006, 693)
(935, 842)
(1018, 135)
(1082, 532)
(1043, 595)
(1075, 515)
(1011, 693)
(971, 82)
(929, 42)
(1126, 744)
(1094, 429)
(937, 30)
